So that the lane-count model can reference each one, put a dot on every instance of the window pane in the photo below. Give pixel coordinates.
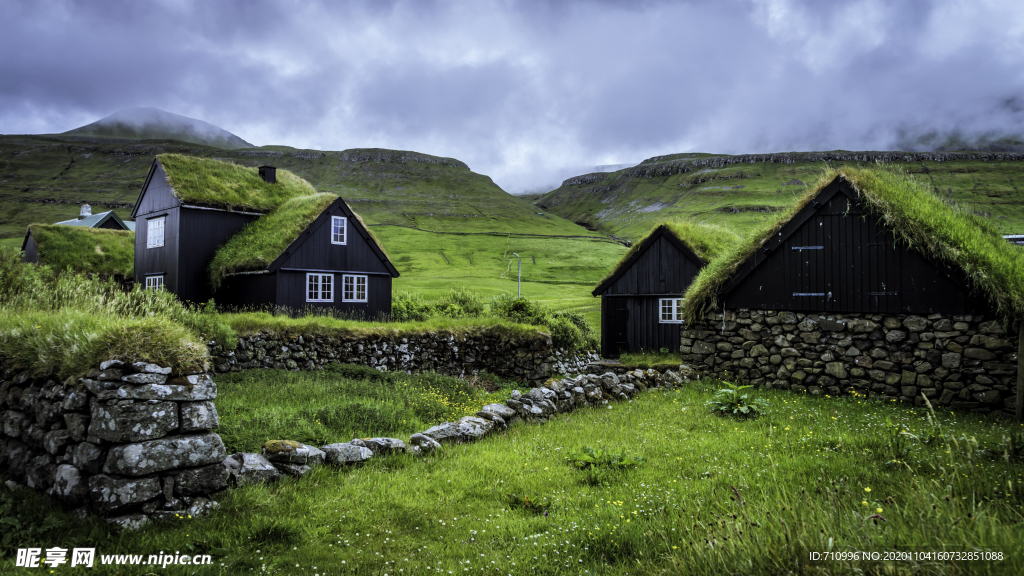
(360, 287)
(325, 287)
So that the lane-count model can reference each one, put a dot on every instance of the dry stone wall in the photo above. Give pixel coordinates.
(130, 441)
(968, 362)
(533, 361)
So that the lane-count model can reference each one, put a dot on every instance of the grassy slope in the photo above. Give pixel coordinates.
(617, 205)
(810, 473)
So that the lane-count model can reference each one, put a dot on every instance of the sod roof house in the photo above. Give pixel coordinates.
(641, 299)
(97, 250)
(255, 238)
(867, 241)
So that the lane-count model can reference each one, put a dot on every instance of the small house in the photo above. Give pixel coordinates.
(108, 220)
(251, 237)
(95, 250)
(641, 299)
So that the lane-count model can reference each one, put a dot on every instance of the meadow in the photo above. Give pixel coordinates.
(707, 495)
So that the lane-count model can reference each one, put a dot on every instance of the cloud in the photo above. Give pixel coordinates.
(521, 90)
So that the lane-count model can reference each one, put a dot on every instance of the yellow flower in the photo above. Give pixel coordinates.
(867, 489)
(879, 510)
(864, 502)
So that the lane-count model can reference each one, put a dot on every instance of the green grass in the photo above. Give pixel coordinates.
(742, 196)
(918, 217)
(660, 360)
(94, 250)
(340, 403)
(210, 182)
(811, 474)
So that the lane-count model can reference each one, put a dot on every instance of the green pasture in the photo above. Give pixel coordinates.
(710, 495)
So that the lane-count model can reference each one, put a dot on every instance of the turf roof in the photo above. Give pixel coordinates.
(924, 221)
(219, 184)
(707, 241)
(96, 250)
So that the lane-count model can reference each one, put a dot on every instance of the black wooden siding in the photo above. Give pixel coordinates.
(631, 304)
(156, 200)
(317, 252)
(31, 250)
(202, 232)
(855, 263)
(250, 291)
(291, 292)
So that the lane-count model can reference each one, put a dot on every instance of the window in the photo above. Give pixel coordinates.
(354, 288)
(671, 310)
(155, 282)
(319, 287)
(155, 232)
(338, 226)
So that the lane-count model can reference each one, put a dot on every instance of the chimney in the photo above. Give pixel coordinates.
(86, 211)
(269, 174)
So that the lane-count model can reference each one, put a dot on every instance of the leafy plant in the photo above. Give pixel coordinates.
(729, 402)
(587, 457)
(528, 503)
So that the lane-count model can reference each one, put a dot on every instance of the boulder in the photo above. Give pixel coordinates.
(196, 416)
(87, 457)
(55, 440)
(143, 458)
(466, 429)
(247, 468)
(188, 389)
(380, 445)
(130, 421)
(296, 470)
(77, 424)
(292, 452)
(423, 444)
(111, 494)
(203, 480)
(502, 410)
(347, 453)
(68, 486)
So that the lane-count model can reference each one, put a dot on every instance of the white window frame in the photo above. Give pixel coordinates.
(155, 282)
(151, 228)
(315, 285)
(355, 282)
(674, 308)
(339, 223)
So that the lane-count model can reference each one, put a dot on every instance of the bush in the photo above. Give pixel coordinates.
(457, 303)
(406, 307)
(460, 303)
(729, 402)
(519, 310)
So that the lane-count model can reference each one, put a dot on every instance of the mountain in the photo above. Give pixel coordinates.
(156, 124)
(742, 191)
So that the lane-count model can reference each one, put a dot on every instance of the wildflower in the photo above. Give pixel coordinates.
(866, 489)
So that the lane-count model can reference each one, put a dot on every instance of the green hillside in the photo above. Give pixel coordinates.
(741, 191)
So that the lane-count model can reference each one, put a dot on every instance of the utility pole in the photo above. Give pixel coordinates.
(520, 282)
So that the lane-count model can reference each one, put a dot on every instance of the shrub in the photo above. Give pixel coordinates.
(406, 307)
(729, 401)
(519, 310)
(462, 300)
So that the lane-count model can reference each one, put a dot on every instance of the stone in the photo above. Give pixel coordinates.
(861, 326)
(292, 452)
(423, 444)
(909, 391)
(466, 429)
(129, 522)
(506, 412)
(150, 368)
(87, 457)
(196, 416)
(895, 336)
(381, 446)
(908, 378)
(991, 327)
(923, 367)
(884, 365)
(789, 352)
(978, 354)
(915, 323)
(111, 364)
(111, 494)
(200, 506)
(144, 378)
(55, 440)
(76, 424)
(296, 470)
(951, 360)
(245, 468)
(852, 351)
(134, 421)
(701, 347)
(947, 396)
(143, 458)
(205, 480)
(40, 472)
(68, 485)
(988, 396)
(188, 389)
(74, 401)
(836, 369)
(15, 423)
(346, 453)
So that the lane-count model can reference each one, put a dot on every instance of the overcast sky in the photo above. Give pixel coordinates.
(523, 91)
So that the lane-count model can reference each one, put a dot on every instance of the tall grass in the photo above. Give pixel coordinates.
(64, 323)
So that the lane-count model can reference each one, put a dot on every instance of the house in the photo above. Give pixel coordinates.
(641, 299)
(96, 250)
(1015, 239)
(108, 220)
(251, 237)
(856, 250)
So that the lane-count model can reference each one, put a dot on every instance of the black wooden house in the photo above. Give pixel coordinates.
(193, 211)
(836, 255)
(641, 300)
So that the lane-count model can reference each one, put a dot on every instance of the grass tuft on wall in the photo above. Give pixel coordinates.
(918, 217)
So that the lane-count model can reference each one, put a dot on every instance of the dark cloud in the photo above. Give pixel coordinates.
(523, 90)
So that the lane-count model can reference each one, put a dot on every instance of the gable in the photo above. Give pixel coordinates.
(662, 265)
(156, 193)
(835, 256)
(313, 249)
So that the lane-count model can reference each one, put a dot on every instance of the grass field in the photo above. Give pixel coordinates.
(741, 196)
(712, 495)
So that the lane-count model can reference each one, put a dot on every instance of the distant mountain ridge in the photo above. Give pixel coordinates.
(156, 124)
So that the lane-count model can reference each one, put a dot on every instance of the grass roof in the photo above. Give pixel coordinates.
(225, 185)
(96, 250)
(264, 239)
(924, 221)
(706, 240)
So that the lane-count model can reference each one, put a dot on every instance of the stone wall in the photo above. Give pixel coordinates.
(129, 441)
(533, 361)
(962, 361)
